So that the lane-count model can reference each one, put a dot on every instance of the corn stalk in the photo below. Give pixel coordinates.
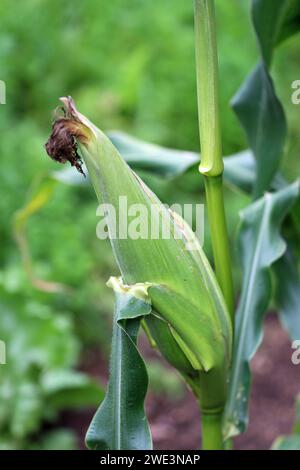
(211, 166)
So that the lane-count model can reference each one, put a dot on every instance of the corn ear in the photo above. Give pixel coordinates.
(183, 291)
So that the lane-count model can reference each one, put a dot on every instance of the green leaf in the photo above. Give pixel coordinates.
(240, 170)
(288, 293)
(274, 21)
(260, 246)
(59, 439)
(39, 342)
(256, 104)
(267, 16)
(262, 117)
(158, 160)
(65, 389)
(39, 196)
(120, 422)
(27, 410)
(291, 22)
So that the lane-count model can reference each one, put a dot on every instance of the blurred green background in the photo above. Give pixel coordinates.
(129, 65)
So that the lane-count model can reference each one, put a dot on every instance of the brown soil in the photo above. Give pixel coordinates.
(175, 425)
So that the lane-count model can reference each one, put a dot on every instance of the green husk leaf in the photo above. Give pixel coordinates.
(165, 340)
(260, 246)
(120, 422)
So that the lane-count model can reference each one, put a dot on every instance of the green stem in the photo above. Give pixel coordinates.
(219, 237)
(212, 438)
(211, 165)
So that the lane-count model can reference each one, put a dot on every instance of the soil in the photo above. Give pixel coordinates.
(175, 425)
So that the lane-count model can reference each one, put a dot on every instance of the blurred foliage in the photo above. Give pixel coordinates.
(130, 65)
(118, 58)
(37, 380)
(163, 381)
(292, 441)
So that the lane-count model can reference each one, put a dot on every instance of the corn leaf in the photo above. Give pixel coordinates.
(120, 422)
(256, 104)
(159, 160)
(287, 293)
(260, 246)
(274, 21)
(262, 117)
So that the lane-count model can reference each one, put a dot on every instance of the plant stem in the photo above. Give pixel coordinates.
(211, 165)
(212, 438)
(219, 237)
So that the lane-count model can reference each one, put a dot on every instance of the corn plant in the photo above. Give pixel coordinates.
(187, 309)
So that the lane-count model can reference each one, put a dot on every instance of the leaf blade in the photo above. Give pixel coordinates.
(260, 246)
(120, 422)
(262, 117)
(256, 104)
(287, 293)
